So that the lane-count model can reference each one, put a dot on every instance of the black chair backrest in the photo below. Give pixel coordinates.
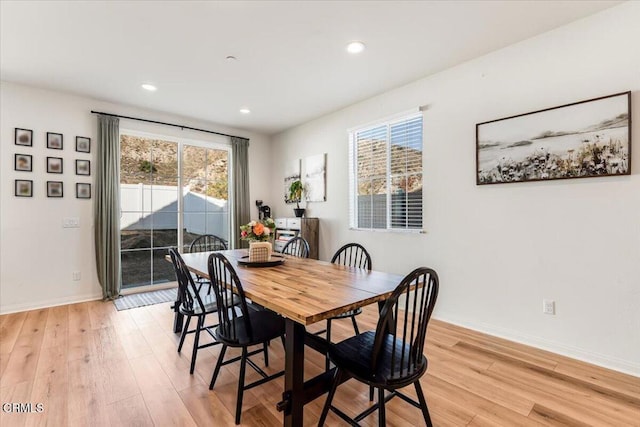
(226, 283)
(352, 255)
(420, 289)
(207, 243)
(298, 247)
(188, 294)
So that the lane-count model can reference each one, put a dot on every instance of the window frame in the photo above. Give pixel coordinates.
(353, 172)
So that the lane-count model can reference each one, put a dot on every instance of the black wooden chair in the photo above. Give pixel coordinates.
(351, 255)
(297, 247)
(390, 357)
(192, 304)
(242, 331)
(206, 243)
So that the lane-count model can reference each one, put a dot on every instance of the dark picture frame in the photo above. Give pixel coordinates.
(23, 162)
(83, 167)
(83, 144)
(583, 139)
(23, 188)
(83, 190)
(55, 189)
(55, 141)
(54, 165)
(23, 137)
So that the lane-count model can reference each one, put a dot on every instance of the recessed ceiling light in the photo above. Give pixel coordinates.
(245, 110)
(355, 47)
(149, 87)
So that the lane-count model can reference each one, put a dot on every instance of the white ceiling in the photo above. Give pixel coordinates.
(292, 65)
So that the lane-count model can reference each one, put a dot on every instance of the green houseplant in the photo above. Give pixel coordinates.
(295, 195)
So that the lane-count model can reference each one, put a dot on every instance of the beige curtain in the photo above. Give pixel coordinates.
(107, 206)
(241, 205)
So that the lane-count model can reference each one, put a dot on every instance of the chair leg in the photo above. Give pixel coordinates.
(327, 362)
(355, 325)
(382, 418)
(327, 404)
(243, 365)
(185, 329)
(423, 404)
(216, 371)
(282, 339)
(196, 342)
(266, 354)
(371, 390)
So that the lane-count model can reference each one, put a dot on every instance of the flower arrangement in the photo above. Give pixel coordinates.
(258, 231)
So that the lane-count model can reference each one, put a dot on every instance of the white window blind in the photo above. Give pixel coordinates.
(385, 183)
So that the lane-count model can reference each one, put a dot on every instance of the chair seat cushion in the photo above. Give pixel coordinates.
(349, 313)
(354, 356)
(266, 325)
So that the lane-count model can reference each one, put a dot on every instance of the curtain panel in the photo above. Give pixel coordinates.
(107, 206)
(241, 205)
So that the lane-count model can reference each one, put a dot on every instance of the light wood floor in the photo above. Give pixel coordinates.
(91, 365)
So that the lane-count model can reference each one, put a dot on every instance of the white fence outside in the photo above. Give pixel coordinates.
(146, 207)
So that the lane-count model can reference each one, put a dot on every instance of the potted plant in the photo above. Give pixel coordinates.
(295, 195)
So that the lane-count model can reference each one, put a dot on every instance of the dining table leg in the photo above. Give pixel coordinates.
(293, 396)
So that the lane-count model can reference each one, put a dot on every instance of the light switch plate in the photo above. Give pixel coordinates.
(71, 222)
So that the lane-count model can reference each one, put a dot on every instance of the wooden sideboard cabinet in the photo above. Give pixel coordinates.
(288, 228)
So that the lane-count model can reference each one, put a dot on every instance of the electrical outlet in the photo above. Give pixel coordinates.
(75, 275)
(71, 222)
(548, 306)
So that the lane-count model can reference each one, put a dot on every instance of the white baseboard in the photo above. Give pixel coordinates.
(609, 362)
(36, 305)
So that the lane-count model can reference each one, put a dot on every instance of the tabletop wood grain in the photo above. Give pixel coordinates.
(305, 290)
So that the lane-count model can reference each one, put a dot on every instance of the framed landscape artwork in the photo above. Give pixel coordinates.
(291, 174)
(580, 140)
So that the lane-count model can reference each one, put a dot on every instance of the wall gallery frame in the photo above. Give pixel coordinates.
(54, 140)
(291, 174)
(24, 188)
(580, 140)
(83, 144)
(83, 190)
(315, 170)
(83, 167)
(24, 137)
(23, 162)
(54, 164)
(54, 188)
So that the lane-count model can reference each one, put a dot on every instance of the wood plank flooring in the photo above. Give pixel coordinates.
(90, 365)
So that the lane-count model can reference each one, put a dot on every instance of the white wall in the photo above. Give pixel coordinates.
(37, 255)
(501, 249)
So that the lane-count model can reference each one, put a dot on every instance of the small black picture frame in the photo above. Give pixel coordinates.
(54, 189)
(23, 162)
(54, 140)
(83, 167)
(54, 164)
(24, 188)
(83, 144)
(24, 137)
(83, 190)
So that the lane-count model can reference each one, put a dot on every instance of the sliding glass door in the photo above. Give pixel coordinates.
(171, 192)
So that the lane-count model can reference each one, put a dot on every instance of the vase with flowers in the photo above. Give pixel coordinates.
(259, 234)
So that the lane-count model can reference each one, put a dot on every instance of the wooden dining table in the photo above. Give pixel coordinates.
(304, 292)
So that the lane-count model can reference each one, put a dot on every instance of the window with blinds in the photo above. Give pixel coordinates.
(386, 175)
